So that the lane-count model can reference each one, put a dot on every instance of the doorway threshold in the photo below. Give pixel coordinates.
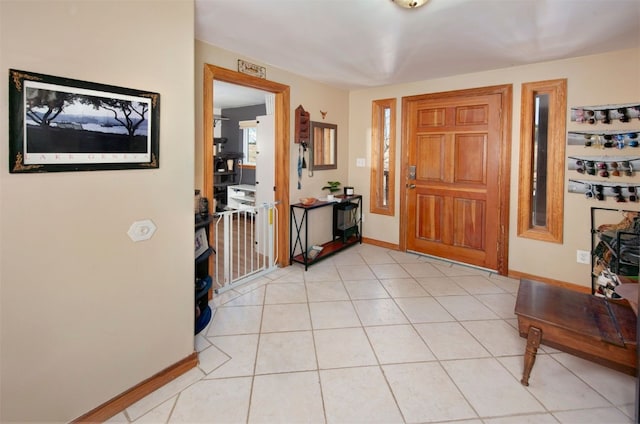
(452, 262)
(244, 280)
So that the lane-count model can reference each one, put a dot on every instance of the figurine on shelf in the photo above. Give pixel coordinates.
(203, 209)
(196, 202)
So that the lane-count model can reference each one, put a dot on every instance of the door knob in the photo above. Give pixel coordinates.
(410, 186)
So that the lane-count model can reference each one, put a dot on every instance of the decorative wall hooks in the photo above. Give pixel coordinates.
(605, 114)
(599, 191)
(302, 126)
(604, 139)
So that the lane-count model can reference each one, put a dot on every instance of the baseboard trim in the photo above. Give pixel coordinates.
(380, 243)
(571, 286)
(137, 392)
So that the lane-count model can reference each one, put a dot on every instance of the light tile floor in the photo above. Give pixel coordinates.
(377, 336)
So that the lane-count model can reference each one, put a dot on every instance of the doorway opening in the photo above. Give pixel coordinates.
(281, 153)
(243, 120)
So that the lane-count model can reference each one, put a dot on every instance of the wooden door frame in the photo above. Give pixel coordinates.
(504, 171)
(282, 148)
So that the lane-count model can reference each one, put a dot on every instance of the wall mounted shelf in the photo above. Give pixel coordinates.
(605, 114)
(616, 139)
(598, 190)
(612, 167)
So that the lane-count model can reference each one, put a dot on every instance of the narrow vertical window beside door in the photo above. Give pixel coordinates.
(542, 160)
(540, 166)
(383, 135)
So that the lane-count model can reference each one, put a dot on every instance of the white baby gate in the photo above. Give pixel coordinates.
(245, 245)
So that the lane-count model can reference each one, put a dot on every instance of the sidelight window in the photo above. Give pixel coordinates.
(542, 160)
(383, 134)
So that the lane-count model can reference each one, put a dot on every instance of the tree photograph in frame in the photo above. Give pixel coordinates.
(61, 124)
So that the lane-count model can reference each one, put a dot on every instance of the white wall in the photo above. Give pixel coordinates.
(86, 313)
(601, 79)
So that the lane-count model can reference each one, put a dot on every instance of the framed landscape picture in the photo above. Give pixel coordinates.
(61, 124)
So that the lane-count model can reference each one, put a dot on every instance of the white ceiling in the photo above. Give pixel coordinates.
(365, 43)
(230, 95)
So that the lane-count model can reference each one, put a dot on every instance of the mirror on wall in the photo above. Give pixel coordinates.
(324, 145)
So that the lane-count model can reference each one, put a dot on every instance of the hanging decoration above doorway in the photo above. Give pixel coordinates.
(252, 69)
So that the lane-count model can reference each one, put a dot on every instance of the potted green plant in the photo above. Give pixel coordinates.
(332, 186)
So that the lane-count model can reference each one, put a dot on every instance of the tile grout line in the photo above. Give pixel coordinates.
(375, 354)
(315, 353)
(255, 360)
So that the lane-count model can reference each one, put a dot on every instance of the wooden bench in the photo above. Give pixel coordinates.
(590, 327)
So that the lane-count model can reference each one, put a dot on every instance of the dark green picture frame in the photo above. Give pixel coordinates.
(59, 124)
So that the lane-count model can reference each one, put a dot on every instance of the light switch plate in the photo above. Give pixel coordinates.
(360, 162)
(141, 230)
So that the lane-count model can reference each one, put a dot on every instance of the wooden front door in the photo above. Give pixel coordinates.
(457, 199)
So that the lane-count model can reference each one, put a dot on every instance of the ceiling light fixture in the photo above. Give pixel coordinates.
(410, 4)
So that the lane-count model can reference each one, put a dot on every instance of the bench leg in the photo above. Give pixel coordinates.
(533, 342)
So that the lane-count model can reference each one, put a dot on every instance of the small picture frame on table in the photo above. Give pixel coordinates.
(201, 243)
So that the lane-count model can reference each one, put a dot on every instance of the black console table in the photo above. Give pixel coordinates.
(347, 228)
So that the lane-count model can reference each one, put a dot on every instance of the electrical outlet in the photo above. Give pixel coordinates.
(583, 256)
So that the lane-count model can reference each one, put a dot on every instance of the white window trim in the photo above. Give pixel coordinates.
(245, 148)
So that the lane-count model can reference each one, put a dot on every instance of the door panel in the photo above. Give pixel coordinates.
(472, 115)
(469, 217)
(470, 158)
(454, 210)
(430, 150)
(431, 118)
(430, 218)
